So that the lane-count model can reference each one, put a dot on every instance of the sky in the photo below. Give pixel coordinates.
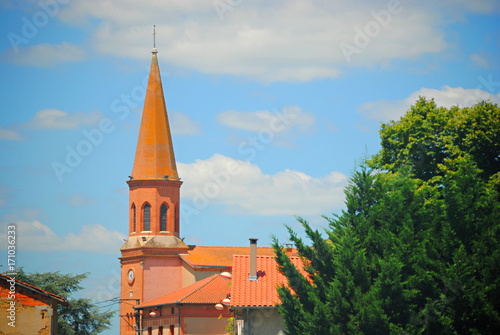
(291, 92)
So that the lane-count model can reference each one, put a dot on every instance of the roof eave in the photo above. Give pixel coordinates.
(255, 307)
(175, 303)
(38, 290)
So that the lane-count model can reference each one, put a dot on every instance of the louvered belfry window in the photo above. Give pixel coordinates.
(134, 218)
(147, 217)
(163, 217)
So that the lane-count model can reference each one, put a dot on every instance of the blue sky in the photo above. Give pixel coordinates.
(290, 92)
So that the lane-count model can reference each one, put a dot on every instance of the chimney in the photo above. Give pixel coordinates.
(289, 249)
(253, 259)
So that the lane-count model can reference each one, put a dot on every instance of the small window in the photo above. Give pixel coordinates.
(134, 219)
(147, 217)
(163, 217)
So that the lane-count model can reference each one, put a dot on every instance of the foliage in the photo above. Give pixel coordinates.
(416, 249)
(230, 326)
(427, 136)
(81, 316)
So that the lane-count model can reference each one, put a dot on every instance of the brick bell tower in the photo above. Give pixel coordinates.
(150, 263)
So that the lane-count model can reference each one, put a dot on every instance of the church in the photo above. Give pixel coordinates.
(167, 286)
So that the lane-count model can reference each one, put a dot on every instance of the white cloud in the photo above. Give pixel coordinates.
(252, 121)
(479, 61)
(9, 134)
(80, 200)
(291, 119)
(385, 110)
(57, 119)
(182, 124)
(268, 41)
(51, 119)
(242, 188)
(45, 55)
(36, 236)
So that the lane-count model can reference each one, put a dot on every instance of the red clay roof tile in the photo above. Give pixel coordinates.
(210, 290)
(206, 256)
(262, 292)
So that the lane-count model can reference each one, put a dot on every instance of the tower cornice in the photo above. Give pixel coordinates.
(141, 252)
(153, 182)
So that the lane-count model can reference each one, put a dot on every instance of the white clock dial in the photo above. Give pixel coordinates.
(131, 275)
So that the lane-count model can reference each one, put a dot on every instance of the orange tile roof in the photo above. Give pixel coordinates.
(210, 290)
(262, 292)
(205, 256)
(154, 156)
(36, 289)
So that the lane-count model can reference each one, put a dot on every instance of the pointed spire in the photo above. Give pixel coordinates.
(154, 157)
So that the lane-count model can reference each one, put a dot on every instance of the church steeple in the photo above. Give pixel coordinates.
(150, 262)
(154, 157)
(154, 183)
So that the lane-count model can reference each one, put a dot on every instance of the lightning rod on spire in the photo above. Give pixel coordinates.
(154, 40)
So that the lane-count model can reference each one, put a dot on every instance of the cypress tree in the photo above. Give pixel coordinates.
(416, 249)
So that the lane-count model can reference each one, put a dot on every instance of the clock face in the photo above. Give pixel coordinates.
(131, 275)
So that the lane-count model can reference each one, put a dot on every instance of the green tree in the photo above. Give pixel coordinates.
(81, 317)
(428, 135)
(416, 249)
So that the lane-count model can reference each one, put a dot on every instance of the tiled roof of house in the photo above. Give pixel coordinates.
(35, 289)
(210, 290)
(205, 256)
(262, 292)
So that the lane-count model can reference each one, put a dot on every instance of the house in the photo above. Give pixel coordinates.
(26, 309)
(203, 261)
(254, 298)
(192, 307)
